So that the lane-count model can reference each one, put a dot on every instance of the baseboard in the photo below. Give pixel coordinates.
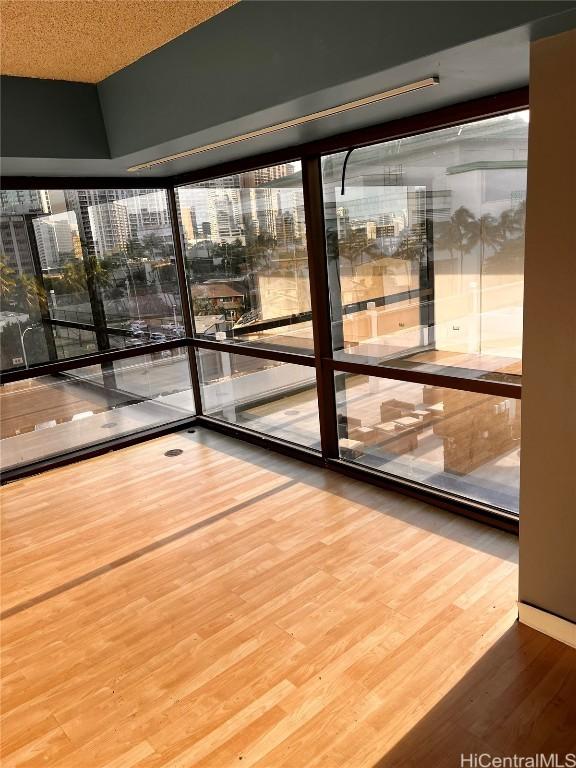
(548, 623)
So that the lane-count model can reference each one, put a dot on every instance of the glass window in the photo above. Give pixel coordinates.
(426, 248)
(461, 442)
(278, 399)
(50, 415)
(85, 271)
(244, 240)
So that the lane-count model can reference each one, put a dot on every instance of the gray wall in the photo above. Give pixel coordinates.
(51, 118)
(548, 471)
(257, 55)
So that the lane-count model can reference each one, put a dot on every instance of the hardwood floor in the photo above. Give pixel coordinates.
(229, 605)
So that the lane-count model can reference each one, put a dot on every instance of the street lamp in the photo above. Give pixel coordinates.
(22, 335)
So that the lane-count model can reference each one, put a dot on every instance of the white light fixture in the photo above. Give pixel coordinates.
(417, 86)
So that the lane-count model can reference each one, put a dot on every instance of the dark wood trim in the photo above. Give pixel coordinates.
(320, 298)
(185, 305)
(310, 155)
(48, 369)
(43, 306)
(456, 114)
(456, 378)
(91, 327)
(90, 451)
(261, 352)
(277, 322)
(261, 440)
(483, 513)
(99, 358)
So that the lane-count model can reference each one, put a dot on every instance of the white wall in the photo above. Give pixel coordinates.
(548, 469)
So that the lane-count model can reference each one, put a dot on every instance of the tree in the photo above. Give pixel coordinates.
(453, 235)
(74, 277)
(134, 249)
(135, 253)
(508, 223)
(511, 249)
(7, 281)
(77, 274)
(486, 232)
(233, 257)
(31, 295)
(153, 245)
(12, 344)
(412, 246)
(203, 306)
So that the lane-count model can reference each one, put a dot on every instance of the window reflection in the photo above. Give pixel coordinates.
(85, 271)
(244, 238)
(278, 399)
(426, 247)
(456, 441)
(50, 415)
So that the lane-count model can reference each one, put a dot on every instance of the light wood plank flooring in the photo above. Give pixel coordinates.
(229, 606)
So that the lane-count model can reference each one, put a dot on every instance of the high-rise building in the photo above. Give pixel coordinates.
(189, 224)
(109, 226)
(17, 242)
(54, 238)
(108, 218)
(24, 201)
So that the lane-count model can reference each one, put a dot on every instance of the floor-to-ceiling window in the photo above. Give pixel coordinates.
(425, 247)
(246, 257)
(88, 272)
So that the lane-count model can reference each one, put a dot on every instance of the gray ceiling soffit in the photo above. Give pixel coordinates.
(470, 71)
(157, 106)
(257, 55)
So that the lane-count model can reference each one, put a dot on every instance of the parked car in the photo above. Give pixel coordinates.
(157, 336)
(173, 331)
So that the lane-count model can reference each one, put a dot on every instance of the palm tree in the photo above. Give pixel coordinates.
(453, 235)
(411, 246)
(486, 232)
(509, 224)
(135, 249)
(76, 275)
(7, 281)
(462, 219)
(512, 223)
(520, 216)
(32, 294)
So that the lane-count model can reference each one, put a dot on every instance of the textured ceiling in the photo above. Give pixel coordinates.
(87, 40)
